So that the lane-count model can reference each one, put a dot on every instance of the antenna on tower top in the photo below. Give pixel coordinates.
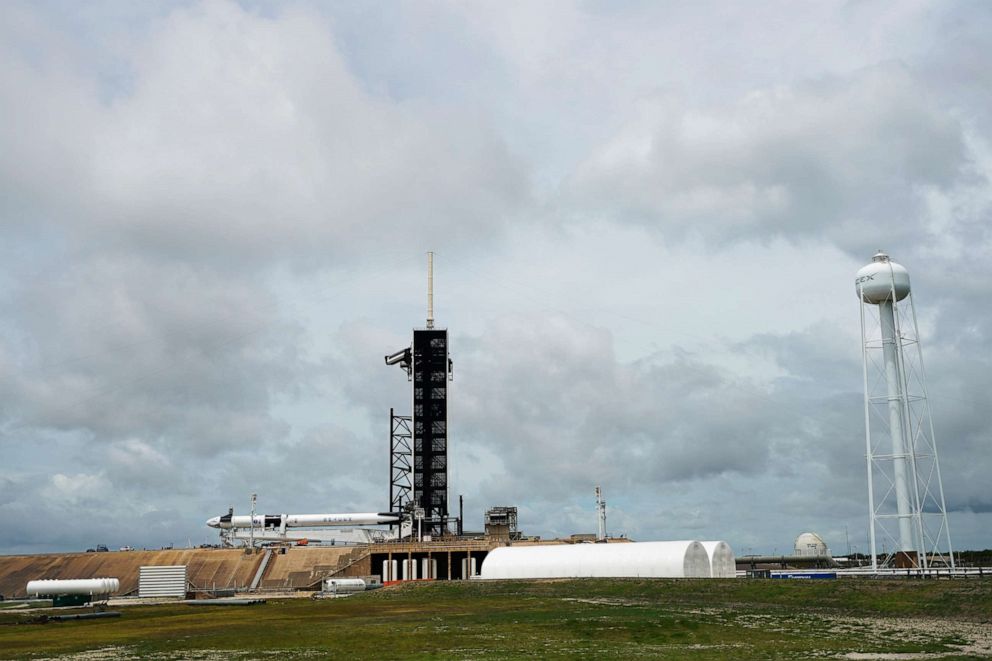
(430, 290)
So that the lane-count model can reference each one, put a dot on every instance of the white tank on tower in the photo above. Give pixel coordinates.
(901, 449)
(877, 281)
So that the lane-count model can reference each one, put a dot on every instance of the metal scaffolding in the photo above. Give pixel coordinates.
(400, 461)
(907, 512)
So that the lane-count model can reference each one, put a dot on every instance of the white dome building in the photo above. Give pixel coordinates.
(682, 559)
(811, 544)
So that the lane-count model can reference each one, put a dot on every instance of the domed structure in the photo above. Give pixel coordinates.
(877, 281)
(722, 561)
(682, 559)
(811, 544)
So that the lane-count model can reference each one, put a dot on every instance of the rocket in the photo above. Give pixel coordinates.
(282, 521)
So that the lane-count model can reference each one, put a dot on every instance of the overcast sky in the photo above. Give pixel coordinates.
(647, 218)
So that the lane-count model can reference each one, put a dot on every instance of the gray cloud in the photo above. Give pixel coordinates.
(124, 348)
(844, 158)
(242, 140)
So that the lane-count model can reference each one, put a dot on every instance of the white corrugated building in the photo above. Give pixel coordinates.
(679, 559)
(162, 581)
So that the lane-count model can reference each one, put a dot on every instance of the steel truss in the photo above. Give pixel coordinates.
(400, 461)
(900, 444)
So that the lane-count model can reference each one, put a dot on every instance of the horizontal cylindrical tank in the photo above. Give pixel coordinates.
(341, 585)
(723, 564)
(679, 559)
(91, 586)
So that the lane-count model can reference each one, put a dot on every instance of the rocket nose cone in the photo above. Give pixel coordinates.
(214, 522)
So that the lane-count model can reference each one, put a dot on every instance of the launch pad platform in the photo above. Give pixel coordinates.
(212, 570)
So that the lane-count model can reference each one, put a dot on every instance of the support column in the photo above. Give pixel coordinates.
(893, 380)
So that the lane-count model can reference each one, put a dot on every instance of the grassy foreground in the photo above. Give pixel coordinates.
(713, 619)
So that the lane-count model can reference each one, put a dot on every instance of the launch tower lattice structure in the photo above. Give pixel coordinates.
(400, 461)
(907, 513)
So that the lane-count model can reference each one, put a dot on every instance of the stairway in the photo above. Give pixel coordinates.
(261, 570)
(320, 572)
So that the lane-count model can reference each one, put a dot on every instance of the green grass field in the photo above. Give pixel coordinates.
(666, 619)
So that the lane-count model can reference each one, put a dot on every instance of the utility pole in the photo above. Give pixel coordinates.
(600, 516)
(251, 527)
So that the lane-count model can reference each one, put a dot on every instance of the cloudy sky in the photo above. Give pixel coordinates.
(647, 218)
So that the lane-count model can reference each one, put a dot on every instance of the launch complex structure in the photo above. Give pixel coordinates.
(907, 512)
(418, 508)
(418, 444)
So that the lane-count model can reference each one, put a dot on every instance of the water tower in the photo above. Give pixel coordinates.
(907, 514)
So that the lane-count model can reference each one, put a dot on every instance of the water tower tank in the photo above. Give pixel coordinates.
(877, 281)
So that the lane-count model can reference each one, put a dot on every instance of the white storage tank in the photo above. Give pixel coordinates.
(723, 564)
(428, 568)
(469, 567)
(877, 282)
(409, 570)
(390, 570)
(809, 543)
(344, 585)
(88, 586)
(679, 559)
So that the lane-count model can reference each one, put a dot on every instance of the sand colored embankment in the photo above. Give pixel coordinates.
(207, 568)
(305, 567)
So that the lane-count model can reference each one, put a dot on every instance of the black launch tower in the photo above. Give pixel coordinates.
(419, 445)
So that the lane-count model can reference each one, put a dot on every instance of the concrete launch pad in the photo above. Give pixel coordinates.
(210, 570)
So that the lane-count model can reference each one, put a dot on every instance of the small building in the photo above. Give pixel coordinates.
(501, 523)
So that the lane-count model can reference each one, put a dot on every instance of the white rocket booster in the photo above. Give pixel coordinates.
(283, 521)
